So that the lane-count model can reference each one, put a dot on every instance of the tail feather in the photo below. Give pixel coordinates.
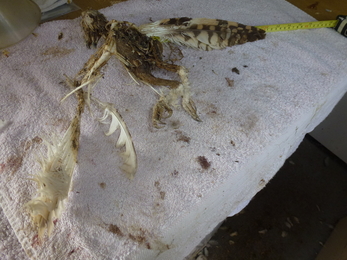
(203, 33)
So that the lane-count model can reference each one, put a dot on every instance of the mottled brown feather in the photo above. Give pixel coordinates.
(203, 33)
(94, 26)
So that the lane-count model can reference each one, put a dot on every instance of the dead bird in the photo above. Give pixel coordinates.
(140, 50)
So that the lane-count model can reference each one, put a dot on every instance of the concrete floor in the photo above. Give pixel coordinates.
(293, 216)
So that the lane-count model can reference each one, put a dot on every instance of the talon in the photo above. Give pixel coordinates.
(161, 111)
(190, 107)
(156, 123)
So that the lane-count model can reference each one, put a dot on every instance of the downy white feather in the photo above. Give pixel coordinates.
(54, 181)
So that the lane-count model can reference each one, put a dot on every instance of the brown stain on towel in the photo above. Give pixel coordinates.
(175, 124)
(204, 163)
(182, 137)
(230, 82)
(235, 70)
(212, 110)
(73, 251)
(13, 163)
(161, 193)
(143, 237)
(35, 241)
(174, 173)
(140, 236)
(115, 230)
(248, 123)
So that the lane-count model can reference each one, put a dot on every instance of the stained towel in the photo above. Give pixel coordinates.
(256, 102)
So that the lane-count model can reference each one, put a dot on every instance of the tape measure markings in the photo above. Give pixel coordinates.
(298, 26)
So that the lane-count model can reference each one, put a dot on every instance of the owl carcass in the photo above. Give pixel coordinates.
(140, 49)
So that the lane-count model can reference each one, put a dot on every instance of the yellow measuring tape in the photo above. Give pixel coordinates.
(298, 26)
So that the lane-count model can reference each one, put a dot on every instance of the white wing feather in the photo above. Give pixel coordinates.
(124, 140)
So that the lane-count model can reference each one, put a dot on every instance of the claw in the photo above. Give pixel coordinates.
(190, 107)
(160, 111)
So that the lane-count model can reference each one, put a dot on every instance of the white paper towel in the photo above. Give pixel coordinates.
(287, 84)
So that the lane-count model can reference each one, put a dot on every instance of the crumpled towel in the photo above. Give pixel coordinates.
(256, 102)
